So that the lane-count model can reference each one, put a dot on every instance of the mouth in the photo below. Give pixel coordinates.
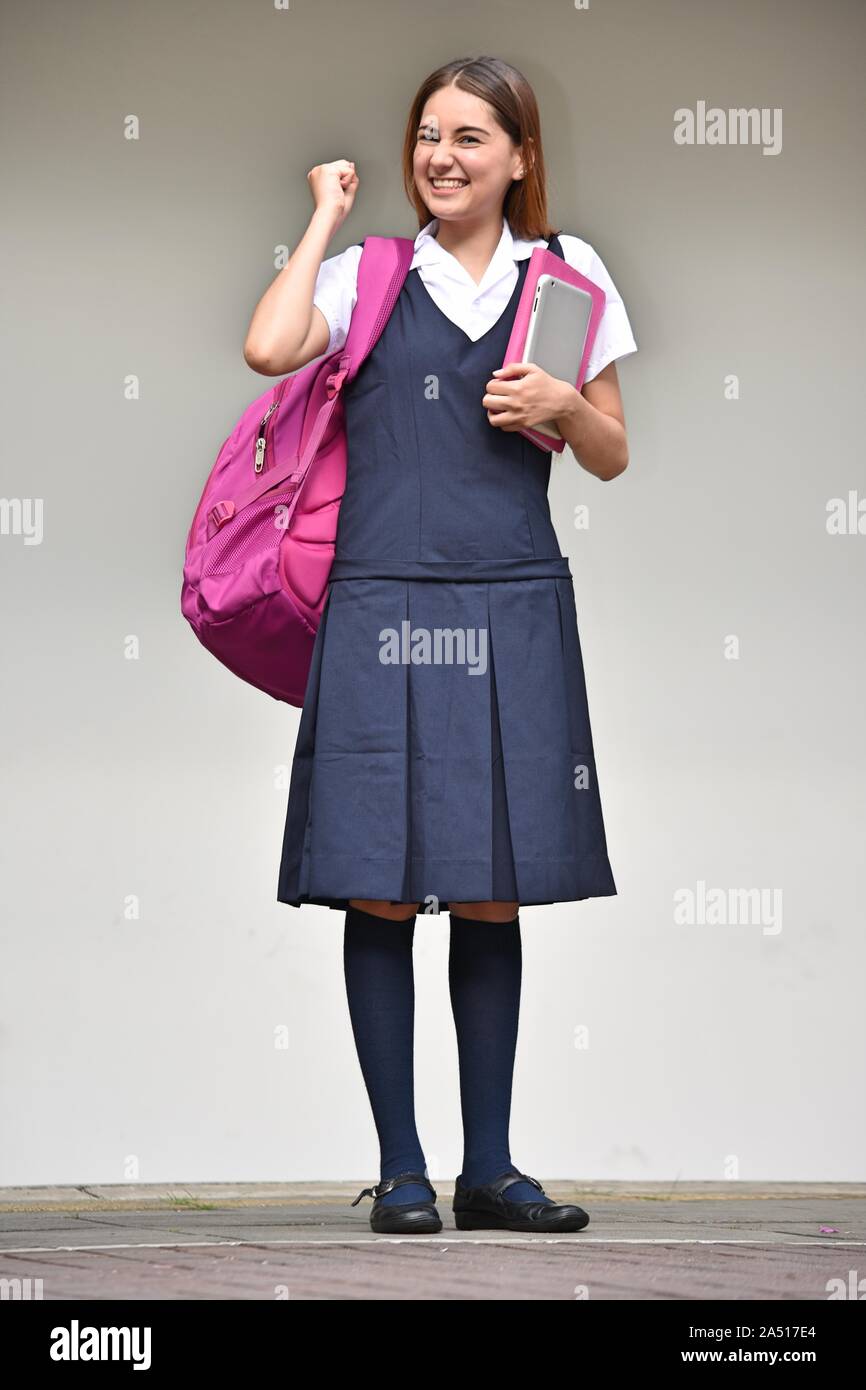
(452, 185)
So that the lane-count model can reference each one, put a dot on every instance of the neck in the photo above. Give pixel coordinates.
(472, 242)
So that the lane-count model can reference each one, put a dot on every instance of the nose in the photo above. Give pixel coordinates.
(441, 165)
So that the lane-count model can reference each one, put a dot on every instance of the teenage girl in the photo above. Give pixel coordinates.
(423, 783)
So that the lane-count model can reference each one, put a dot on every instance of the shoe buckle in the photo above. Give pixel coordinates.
(385, 1186)
(388, 1185)
(517, 1177)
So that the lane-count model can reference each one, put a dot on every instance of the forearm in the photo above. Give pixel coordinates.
(281, 321)
(598, 441)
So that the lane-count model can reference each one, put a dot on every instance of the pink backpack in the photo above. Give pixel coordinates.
(261, 544)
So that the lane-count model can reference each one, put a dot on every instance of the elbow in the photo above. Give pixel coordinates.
(253, 356)
(270, 361)
(619, 463)
(259, 359)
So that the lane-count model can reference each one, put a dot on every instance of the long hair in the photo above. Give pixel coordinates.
(513, 102)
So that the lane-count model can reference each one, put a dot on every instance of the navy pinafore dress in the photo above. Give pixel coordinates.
(444, 751)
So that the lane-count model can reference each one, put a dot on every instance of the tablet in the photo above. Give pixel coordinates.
(557, 331)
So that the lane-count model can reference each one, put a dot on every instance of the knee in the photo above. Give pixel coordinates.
(486, 912)
(395, 912)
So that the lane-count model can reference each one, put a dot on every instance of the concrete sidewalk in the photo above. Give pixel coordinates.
(304, 1240)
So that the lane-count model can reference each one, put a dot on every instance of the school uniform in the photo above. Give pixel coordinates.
(444, 751)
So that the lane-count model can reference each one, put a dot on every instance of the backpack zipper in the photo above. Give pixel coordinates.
(261, 442)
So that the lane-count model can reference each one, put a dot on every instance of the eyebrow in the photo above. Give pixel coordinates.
(460, 130)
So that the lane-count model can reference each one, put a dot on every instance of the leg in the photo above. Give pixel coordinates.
(484, 973)
(395, 912)
(485, 912)
(380, 986)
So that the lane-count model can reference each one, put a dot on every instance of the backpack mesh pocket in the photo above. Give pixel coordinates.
(257, 528)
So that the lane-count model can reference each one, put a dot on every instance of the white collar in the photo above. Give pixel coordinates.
(428, 251)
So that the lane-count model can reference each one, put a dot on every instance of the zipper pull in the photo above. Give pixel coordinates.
(260, 441)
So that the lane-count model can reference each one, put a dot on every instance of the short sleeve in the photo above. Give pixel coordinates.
(614, 337)
(336, 292)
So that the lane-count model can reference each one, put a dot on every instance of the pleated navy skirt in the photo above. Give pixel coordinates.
(425, 782)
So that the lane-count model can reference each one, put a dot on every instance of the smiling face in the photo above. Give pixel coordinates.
(463, 161)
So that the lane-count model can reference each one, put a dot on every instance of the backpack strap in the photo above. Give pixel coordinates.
(382, 272)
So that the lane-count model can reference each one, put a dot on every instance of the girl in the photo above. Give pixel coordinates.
(444, 756)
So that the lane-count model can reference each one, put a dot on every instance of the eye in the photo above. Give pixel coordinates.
(427, 137)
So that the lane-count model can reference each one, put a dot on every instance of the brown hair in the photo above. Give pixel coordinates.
(513, 102)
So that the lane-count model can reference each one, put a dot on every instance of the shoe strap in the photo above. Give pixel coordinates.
(388, 1185)
(499, 1184)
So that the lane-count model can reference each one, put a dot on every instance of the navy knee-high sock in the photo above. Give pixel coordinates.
(380, 986)
(484, 975)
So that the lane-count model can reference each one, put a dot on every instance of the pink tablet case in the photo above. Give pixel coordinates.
(544, 262)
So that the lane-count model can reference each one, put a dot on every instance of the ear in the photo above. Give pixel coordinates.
(522, 172)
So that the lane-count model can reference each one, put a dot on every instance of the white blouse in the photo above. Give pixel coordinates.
(476, 307)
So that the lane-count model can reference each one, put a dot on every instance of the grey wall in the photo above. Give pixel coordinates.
(146, 1047)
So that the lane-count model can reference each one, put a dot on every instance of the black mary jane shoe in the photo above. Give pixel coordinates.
(395, 1218)
(488, 1207)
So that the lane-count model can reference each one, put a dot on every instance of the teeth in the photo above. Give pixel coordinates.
(449, 183)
